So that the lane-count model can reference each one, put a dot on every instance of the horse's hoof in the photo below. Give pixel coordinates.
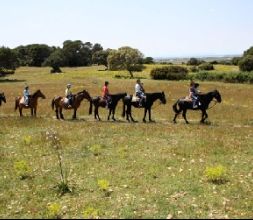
(144, 121)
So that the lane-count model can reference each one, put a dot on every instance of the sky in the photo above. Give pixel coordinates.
(158, 28)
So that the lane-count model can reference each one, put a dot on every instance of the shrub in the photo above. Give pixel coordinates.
(194, 69)
(246, 63)
(91, 213)
(169, 73)
(54, 211)
(216, 175)
(194, 62)
(235, 61)
(206, 66)
(22, 169)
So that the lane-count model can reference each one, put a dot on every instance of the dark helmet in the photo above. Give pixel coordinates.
(106, 83)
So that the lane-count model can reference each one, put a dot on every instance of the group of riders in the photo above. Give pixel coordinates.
(139, 94)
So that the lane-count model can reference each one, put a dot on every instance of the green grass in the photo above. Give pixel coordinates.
(151, 170)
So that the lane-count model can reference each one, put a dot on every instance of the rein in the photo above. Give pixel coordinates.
(215, 103)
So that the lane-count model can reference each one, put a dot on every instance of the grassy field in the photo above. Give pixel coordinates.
(120, 169)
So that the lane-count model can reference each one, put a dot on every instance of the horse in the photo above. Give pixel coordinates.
(59, 104)
(2, 98)
(205, 100)
(100, 102)
(33, 102)
(147, 105)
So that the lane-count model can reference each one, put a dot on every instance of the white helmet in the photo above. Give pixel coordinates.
(68, 85)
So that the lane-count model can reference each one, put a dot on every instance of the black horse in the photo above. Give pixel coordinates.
(204, 99)
(147, 105)
(100, 102)
(2, 98)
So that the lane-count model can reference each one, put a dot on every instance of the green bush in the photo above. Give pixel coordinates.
(169, 73)
(194, 62)
(194, 69)
(246, 63)
(206, 66)
(216, 175)
(236, 77)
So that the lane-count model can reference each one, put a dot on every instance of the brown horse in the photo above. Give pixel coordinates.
(33, 103)
(59, 104)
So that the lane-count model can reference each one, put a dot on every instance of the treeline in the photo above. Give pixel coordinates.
(204, 71)
(72, 54)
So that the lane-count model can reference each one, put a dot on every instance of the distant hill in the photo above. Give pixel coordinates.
(185, 59)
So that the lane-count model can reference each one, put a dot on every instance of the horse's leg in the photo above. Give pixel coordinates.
(204, 116)
(20, 112)
(175, 118)
(184, 115)
(74, 115)
(130, 113)
(96, 113)
(61, 115)
(145, 113)
(113, 114)
(35, 111)
(149, 113)
(109, 115)
(57, 113)
(31, 111)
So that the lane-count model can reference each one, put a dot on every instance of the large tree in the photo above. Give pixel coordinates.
(126, 58)
(33, 54)
(56, 60)
(77, 53)
(100, 57)
(8, 61)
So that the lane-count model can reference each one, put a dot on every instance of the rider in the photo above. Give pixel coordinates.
(26, 94)
(105, 94)
(69, 95)
(140, 92)
(194, 94)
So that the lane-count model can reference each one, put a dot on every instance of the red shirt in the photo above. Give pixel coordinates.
(105, 91)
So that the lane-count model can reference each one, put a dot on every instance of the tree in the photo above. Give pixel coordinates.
(148, 60)
(33, 54)
(126, 58)
(246, 63)
(248, 52)
(77, 53)
(56, 60)
(194, 62)
(96, 48)
(8, 61)
(235, 60)
(100, 58)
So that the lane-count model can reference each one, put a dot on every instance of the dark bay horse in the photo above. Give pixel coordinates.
(100, 102)
(147, 105)
(2, 98)
(205, 100)
(59, 104)
(33, 103)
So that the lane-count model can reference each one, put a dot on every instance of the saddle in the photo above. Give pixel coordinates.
(135, 99)
(22, 100)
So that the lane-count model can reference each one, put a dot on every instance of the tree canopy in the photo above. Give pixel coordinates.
(126, 58)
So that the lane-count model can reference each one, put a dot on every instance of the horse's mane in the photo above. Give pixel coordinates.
(33, 95)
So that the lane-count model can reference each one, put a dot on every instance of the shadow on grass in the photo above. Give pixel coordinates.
(11, 80)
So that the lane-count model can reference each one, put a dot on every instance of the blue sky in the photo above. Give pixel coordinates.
(159, 28)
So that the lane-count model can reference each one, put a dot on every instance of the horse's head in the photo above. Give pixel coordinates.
(85, 95)
(2, 97)
(39, 94)
(163, 98)
(217, 96)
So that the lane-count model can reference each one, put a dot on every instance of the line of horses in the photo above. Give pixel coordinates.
(58, 105)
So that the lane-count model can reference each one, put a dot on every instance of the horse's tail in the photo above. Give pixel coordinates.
(16, 104)
(175, 107)
(90, 109)
(53, 104)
